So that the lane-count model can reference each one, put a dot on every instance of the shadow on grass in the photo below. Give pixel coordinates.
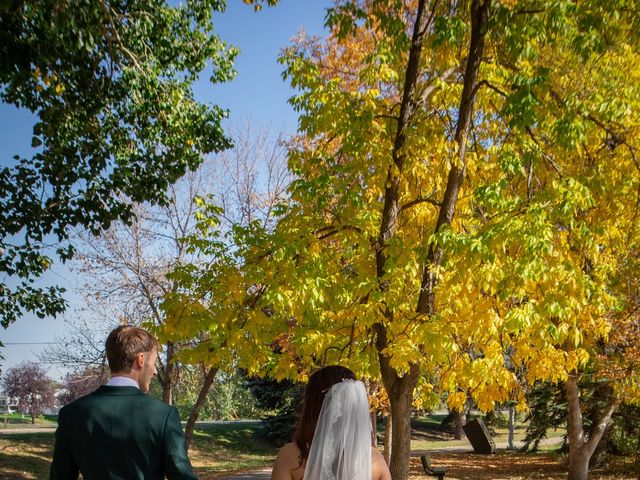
(240, 437)
(430, 428)
(230, 447)
(26, 456)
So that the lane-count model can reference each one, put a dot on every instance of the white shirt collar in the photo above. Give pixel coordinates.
(122, 382)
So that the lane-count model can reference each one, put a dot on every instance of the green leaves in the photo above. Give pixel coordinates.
(111, 84)
(40, 302)
(344, 19)
(450, 30)
(523, 104)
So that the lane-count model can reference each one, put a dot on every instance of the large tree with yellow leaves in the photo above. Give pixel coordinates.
(466, 193)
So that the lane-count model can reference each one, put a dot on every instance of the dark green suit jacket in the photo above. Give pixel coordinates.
(119, 433)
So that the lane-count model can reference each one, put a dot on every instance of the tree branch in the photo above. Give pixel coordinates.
(601, 425)
(479, 13)
(417, 201)
(333, 230)
(546, 156)
(491, 86)
(424, 96)
(114, 32)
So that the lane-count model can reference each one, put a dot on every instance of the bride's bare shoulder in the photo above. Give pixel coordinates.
(287, 463)
(379, 468)
(290, 450)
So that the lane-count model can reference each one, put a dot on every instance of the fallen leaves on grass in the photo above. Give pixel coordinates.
(517, 466)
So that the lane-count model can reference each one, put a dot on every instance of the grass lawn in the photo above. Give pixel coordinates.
(216, 448)
(25, 455)
(428, 434)
(229, 447)
(13, 419)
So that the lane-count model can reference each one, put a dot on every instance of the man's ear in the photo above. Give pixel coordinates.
(139, 360)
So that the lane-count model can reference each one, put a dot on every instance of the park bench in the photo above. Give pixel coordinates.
(432, 471)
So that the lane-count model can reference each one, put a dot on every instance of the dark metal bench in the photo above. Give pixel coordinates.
(439, 472)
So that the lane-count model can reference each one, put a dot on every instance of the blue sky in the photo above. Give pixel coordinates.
(258, 93)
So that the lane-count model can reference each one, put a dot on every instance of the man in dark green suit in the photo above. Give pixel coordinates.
(118, 431)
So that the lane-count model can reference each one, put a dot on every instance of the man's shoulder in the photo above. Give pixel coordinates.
(149, 405)
(118, 394)
(79, 402)
(155, 403)
(99, 405)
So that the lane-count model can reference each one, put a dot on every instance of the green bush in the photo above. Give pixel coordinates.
(624, 436)
(282, 400)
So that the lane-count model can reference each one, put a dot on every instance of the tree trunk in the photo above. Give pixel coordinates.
(400, 388)
(195, 412)
(373, 415)
(638, 455)
(512, 427)
(479, 18)
(374, 428)
(33, 419)
(387, 437)
(578, 460)
(401, 399)
(599, 455)
(459, 419)
(167, 384)
(580, 448)
(602, 390)
(578, 464)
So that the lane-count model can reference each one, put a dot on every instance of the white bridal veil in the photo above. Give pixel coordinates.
(341, 446)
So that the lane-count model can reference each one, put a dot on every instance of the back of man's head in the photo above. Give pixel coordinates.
(124, 343)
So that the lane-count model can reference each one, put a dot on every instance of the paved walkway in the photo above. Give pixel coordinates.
(263, 473)
(10, 431)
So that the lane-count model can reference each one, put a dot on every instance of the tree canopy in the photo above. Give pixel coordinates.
(28, 382)
(546, 218)
(111, 85)
(464, 215)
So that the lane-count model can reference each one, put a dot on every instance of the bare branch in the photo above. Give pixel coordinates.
(418, 201)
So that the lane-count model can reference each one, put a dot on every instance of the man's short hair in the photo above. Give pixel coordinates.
(124, 343)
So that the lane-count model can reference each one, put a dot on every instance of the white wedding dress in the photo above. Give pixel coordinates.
(341, 446)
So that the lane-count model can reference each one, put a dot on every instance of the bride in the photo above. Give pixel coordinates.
(333, 437)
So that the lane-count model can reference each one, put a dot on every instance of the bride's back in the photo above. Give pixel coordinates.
(289, 464)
